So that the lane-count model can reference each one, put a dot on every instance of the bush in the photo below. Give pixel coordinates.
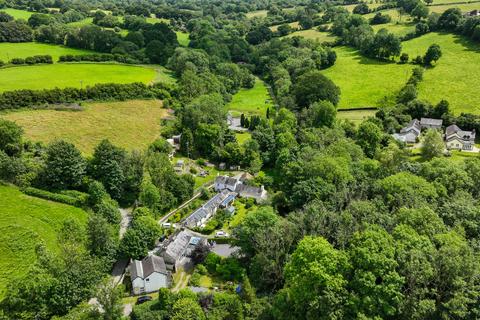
(201, 269)
(47, 195)
(195, 279)
(99, 92)
(404, 58)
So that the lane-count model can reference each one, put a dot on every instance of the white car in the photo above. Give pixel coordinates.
(166, 225)
(221, 234)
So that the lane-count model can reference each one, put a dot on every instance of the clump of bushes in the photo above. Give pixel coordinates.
(104, 57)
(38, 59)
(47, 195)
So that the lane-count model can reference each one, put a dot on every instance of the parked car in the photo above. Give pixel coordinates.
(143, 299)
(221, 234)
(167, 225)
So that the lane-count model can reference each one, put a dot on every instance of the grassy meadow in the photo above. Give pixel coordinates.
(295, 26)
(464, 7)
(25, 222)
(356, 116)
(455, 76)
(18, 14)
(71, 75)
(314, 35)
(10, 50)
(81, 23)
(131, 124)
(251, 101)
(398, 29)
(350, 7)
(255, 14)
(183, 38)
(363, 81)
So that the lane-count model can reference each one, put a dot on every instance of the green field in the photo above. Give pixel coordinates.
(350, 7)
(456, 75)
(18, 14)
(314, 35)
(255, 14)
(295, 26)
(356, 116)
(465, 7)
(25, 222)
(82, 23)
(399, 29)
(363, 81)
(132, 124)
(27, 49)
(251, 101)
(451, 1)
(71, 75)
(183, 38)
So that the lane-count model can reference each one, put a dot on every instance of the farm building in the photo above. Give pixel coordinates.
(458, 139)
(237, 185)
(429, 123)
(182, 246)
(410, 133)
(148, 275)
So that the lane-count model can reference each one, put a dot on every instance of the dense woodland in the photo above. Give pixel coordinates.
(355, 227)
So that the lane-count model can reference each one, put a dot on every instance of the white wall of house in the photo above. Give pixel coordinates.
(155, 281)
(152, 283)
(138, 285)
(455, 144)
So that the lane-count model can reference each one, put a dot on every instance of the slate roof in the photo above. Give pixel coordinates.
(454, 131)
(147, 266)
(413, 125)
(208, 208)
(431, 122)
(176, 248)
(246, 190)
(229, 181)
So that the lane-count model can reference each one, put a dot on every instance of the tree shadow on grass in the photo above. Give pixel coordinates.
(468, 44)
(361, 59)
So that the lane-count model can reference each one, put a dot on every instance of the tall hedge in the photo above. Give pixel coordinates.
(99, 92)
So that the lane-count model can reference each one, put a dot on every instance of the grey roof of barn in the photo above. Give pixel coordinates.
(431, 122)
(249, 190)
(414, 124)
(226, 180)
(462, 134)
(176, 248)
(147, 266)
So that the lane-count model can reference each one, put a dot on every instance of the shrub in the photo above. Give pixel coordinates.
(57, 197)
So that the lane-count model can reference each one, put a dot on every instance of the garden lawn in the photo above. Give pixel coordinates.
(314, 35)
(71, 75)
(254, 101)
(364, 82)
(130, 124)
(25, 222)
(455, 77)
(10, 50)
(243, 136)
(183, 38)
(18, 14)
